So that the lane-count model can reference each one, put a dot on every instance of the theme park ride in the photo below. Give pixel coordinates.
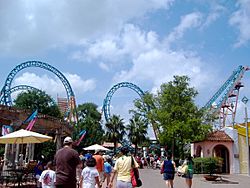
(19, 88)
(14, 118)
(5, 95)
(223, 108)
(107, 100)
(223, 104)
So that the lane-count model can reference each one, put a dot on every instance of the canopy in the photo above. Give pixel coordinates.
(96, 147)
(24, 137)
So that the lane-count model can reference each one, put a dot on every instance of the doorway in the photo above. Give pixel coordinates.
(222, 152)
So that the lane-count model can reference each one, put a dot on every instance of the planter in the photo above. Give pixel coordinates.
(210, 177)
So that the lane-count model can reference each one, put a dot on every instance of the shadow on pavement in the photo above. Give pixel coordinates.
(224, 181)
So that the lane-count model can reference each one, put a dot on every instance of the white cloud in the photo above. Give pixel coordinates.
(216, 11)
(118, 48)
(104, 66)
(53, 86)
(136, 41)
(159, 66)
(188, 21)
(241, 19)
(80, 85)
(28, 26)
(152, 61)
(106, 49)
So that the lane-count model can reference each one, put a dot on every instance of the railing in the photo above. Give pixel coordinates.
(17, 178)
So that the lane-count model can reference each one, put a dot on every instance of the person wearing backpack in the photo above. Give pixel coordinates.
(168, 171)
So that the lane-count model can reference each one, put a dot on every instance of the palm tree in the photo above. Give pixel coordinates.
(115, 130)
(137, 130)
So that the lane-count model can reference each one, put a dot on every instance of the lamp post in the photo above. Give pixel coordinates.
(245, 100)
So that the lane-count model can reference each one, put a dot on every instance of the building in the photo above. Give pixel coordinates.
(229, 144)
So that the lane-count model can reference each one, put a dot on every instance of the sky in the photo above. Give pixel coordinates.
(97, 44)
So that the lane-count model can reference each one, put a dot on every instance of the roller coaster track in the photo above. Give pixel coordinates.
(5, 97)
(18, 88)
(224, 101)
(107, 100)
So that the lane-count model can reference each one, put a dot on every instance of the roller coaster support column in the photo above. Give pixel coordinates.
(58, 139)
(245, 100)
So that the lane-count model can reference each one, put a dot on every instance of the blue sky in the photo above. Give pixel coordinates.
(97, 44)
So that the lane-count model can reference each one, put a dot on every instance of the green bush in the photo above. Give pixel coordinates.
(2, 149)
(207, 165)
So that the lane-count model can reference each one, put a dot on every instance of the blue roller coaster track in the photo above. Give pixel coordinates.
(219, 98)
(107, 100)
(5, 92)
(18, 88)
(223, 104)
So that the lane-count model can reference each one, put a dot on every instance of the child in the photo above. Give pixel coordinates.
(48, 177)
(90, 176)
(107, 170)
(38, 171)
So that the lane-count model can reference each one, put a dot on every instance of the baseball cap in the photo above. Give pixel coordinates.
(67, 140)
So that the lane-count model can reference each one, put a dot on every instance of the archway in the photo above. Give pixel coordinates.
(222, 152)
(199, 152)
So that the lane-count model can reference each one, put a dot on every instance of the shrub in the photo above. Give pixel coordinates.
(207, 165)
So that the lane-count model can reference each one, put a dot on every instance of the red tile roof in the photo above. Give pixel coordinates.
(218, 136)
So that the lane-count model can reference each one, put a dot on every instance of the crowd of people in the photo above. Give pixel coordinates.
(91, 170)
(71, 169)
(168, 168)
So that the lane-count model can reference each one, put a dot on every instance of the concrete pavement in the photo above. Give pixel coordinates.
(153, 179)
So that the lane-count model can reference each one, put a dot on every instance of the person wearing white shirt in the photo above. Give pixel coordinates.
(48, 177)
(90, 176)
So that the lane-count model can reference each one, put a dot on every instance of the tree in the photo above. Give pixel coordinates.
(137, 130)
(90, 120)
(115, 130)
(145, 107)
(173, 111)
(38, 100)
(44, 104)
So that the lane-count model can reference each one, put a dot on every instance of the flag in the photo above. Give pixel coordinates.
(31, 117)
(6, 129)
(31, 124)
(82, 134)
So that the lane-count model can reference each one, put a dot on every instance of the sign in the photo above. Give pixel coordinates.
(244, 100)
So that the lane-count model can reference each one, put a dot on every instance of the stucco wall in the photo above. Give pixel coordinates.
(233, 133)
(208, 146)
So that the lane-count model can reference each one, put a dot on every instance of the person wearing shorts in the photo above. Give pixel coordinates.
(168, 170)
(189, 172)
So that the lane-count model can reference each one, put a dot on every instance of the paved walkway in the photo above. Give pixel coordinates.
(153, 179)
